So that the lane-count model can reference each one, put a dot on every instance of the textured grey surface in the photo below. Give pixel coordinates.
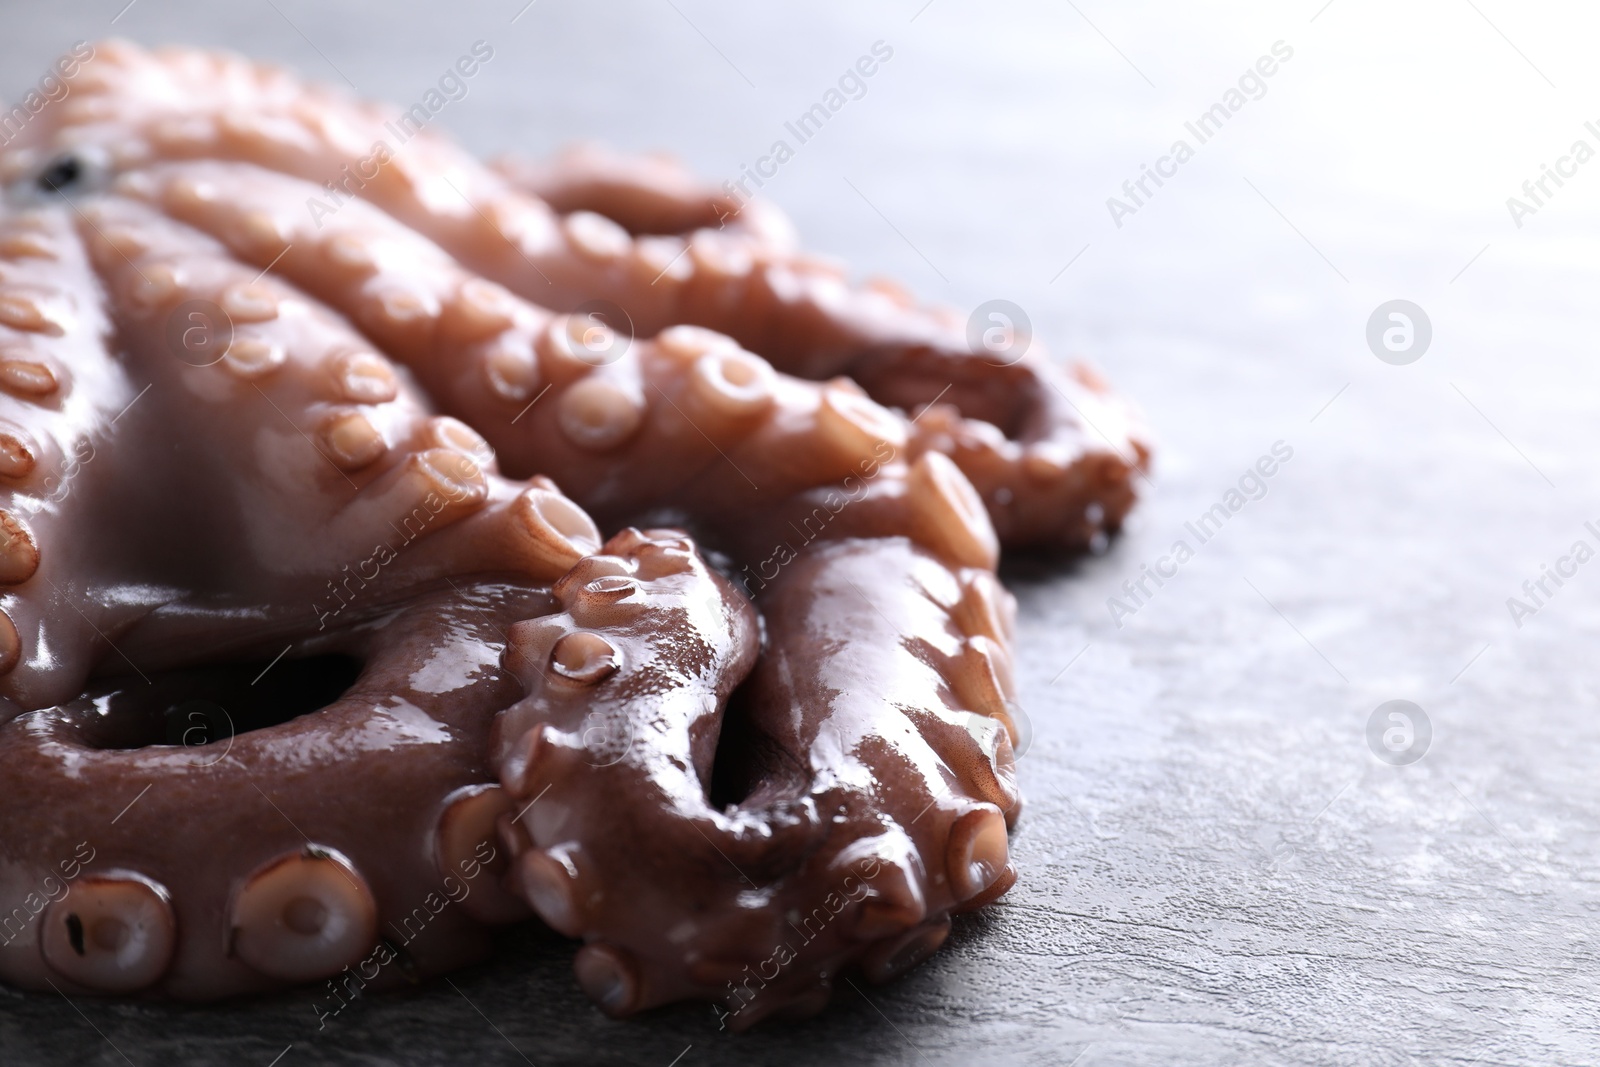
(1215, 867)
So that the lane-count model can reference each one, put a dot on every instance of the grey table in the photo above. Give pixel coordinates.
(1217, 867)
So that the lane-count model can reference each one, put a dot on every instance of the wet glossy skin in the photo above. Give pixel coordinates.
(853, 765)
(705, 780)
(407, 734)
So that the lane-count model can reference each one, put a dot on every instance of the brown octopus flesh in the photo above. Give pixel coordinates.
(317, 665)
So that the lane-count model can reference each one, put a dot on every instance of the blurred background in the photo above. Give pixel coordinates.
(1227, 856)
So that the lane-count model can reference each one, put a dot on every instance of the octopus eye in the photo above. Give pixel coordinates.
(77, 171)
(60, 174)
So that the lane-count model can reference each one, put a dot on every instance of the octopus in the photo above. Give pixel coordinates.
(394, 547)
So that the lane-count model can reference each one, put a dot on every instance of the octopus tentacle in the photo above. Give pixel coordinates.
(873, 747)
(302, 427)
(681, 398)
(61, 391)
(144, 893)
(784, 436)
(1053, 454)
(644, 616)
(320, 348)
(645, 195)
(1051, 449)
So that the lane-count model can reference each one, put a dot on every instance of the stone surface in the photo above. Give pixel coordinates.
(1216, 867)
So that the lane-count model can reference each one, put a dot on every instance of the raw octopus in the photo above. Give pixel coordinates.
(394, 547)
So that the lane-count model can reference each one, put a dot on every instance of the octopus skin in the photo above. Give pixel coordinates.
(171, 897)
(308, 436)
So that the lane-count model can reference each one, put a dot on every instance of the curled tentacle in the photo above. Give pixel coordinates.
(117, 876)
(308, 357)
(64, 460)
(647, 195)
(868, 785)
(723, 433)
(1052, 453)
(1051, 450)
(289, 423)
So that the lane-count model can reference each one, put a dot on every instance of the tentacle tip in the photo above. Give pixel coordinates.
(556, 532)
(549, 883)
(977, 853)
(610, 977)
